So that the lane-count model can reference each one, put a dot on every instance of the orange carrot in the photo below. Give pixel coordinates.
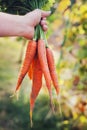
(37, 83)
(30, 53)
(52, 68)
(44, 66)
(30, 71)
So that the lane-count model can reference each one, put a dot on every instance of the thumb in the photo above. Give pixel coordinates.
(41, 13)
(37, 14)
(45, 13)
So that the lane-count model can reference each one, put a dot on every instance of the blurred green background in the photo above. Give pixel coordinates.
(67, 36)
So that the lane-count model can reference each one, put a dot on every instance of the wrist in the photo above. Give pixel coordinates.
(25, 28)
(19, 26)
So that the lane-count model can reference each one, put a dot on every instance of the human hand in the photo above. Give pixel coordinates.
(17, 25)
(30, 20)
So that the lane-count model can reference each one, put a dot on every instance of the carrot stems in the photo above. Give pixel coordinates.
(43, 36)
(35, 34)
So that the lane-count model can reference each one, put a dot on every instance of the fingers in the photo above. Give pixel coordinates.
(38, 14)
(44, 24)
(35, 17)
(45, 27)
(42, 13)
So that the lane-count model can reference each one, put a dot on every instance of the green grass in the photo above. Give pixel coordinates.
(9, 52)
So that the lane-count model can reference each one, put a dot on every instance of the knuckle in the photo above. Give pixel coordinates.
(37, 10)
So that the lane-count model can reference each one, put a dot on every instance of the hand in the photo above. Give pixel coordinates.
(32, 19)
(17, 25)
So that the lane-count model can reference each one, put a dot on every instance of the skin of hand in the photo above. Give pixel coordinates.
(15, 25)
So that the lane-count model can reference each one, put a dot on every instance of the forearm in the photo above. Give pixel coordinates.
(10, 25)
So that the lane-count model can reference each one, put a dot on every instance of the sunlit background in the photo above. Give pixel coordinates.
(67, 37)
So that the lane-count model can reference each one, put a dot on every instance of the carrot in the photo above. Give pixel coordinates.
(30, 71)
(44, 66)
(52, 68)
(30, 53)
(37, 83)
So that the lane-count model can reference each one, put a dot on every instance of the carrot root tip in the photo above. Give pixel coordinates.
(59, 103)
(52, 104)
(16, 93)
(58, 97)
(31, 122)
(11, 96)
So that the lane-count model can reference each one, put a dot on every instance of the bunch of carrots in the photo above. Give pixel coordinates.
(38, 62)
